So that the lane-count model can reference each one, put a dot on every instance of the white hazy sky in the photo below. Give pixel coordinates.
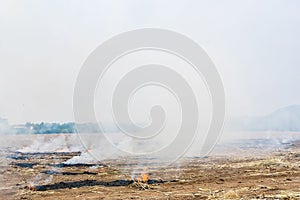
(254, 44)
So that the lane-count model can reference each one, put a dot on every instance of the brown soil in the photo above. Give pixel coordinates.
(275, 175)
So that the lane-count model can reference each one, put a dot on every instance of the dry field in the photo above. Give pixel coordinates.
(269, 174)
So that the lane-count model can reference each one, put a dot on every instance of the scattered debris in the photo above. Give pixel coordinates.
(140, 185)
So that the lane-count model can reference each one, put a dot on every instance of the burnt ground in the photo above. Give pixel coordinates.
(271, 175)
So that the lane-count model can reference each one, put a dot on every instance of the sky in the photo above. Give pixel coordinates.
(255, 46)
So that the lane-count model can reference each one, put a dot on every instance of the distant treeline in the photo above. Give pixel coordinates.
(46, 128)
(53, 128)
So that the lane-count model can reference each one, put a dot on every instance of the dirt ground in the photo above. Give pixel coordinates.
(271, 175)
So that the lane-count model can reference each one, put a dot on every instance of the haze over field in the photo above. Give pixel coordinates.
(147, 102)
(254, 44)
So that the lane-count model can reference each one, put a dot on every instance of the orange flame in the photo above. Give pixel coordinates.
(144, 178)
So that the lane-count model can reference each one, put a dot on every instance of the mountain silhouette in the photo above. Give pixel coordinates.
(283, 119)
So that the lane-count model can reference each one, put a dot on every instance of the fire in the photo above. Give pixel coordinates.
(143, 178)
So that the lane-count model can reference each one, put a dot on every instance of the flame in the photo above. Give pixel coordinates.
(144, 178)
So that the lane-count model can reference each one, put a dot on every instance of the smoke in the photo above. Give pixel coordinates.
(51, 144)
(84, 158)
(5, 128)
(56, 143)
(40, 179)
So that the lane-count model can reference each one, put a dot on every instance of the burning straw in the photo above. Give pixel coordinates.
(141, 181)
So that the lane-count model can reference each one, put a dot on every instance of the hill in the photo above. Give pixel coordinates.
(283, 119)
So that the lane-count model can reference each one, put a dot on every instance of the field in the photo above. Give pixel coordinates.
(238, 173)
